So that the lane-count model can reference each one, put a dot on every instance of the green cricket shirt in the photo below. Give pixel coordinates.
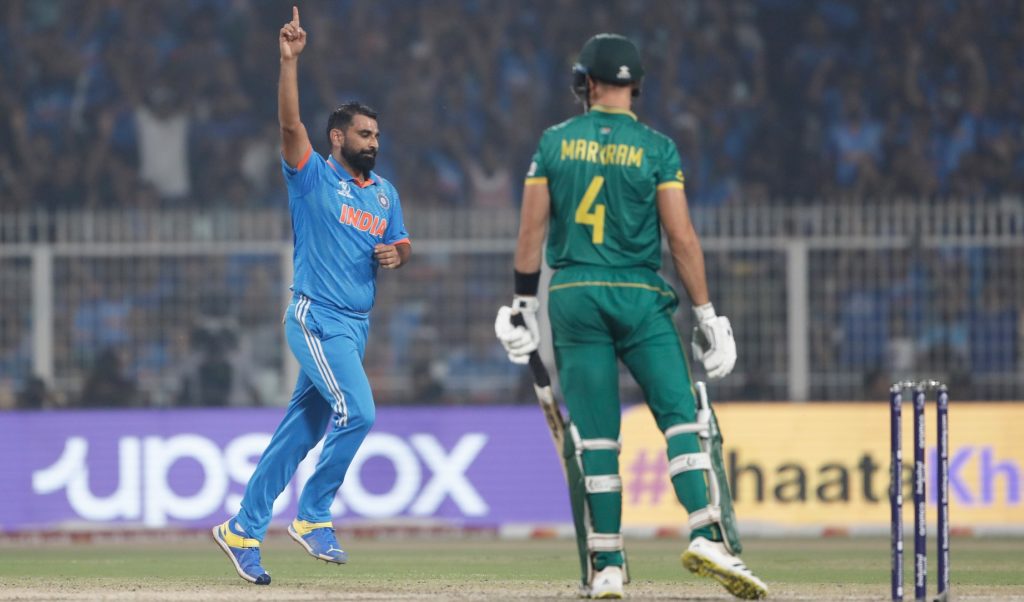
(603, 170)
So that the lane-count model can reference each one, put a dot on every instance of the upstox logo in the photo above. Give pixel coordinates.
(144, 491)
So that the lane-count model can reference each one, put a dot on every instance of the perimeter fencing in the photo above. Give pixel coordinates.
(828, 302)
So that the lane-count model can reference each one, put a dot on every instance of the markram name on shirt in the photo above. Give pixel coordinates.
(581, 149)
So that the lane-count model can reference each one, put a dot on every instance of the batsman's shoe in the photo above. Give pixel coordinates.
(711, 559)
(243, 551)
(318, 539)
(607, 583)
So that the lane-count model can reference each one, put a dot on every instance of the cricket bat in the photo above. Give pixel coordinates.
(545, 397)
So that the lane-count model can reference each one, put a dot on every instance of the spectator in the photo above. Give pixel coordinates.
(163, 122)
(215, 376)
(106, 385)
(490, 181)
(129, 106)
(857, 147)
(187, 110)
(33, 394)
(101, 318)
(993, 331)
(15, 350)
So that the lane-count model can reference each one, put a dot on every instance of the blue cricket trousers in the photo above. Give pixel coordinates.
(332, 390)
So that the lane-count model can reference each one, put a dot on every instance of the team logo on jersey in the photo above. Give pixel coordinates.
(383, 200)
(623, 72)
(346, 190)
(365, 221)
(533, 169)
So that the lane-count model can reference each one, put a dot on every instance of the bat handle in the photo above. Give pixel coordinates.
(540, 372)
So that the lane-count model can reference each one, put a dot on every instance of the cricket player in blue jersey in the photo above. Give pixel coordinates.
(348, 223)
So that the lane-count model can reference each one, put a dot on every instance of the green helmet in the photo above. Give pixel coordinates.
(610, 58)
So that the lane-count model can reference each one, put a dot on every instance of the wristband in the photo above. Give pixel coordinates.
(527, 284)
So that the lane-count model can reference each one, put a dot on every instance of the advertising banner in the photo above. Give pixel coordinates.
(791, 465)
(188, 468)
(827, 464)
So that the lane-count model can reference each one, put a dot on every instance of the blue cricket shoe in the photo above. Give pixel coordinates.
(318, 539)
(243, 551)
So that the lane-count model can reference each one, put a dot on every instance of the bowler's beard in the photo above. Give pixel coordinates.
(361, 161)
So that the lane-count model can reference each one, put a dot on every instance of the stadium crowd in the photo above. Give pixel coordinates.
(117, 104)
(113, 103)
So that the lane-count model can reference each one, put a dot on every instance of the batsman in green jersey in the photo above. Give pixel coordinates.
(601, 187)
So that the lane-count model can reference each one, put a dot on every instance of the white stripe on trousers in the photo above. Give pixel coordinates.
(317, 351)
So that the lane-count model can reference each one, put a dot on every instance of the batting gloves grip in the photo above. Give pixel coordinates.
(713, 344)
(519, 341)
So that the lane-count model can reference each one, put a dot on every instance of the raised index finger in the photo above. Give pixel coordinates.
(295, 14)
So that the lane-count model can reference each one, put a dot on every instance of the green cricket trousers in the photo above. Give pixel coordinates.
(601, 315)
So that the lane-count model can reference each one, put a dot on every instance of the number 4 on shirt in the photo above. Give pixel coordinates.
(594, 218)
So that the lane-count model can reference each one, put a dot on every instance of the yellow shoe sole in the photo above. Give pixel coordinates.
(735, 584)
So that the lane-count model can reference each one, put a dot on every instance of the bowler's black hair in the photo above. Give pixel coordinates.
(342, 116)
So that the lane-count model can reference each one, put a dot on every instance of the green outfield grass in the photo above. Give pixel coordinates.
(195, 569)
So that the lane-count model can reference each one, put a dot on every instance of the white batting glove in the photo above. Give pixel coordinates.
(519, 341)
(713, 344)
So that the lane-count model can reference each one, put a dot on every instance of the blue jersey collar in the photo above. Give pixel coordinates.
(344, 175)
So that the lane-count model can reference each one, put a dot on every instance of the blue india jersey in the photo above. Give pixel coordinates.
(336, 223)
